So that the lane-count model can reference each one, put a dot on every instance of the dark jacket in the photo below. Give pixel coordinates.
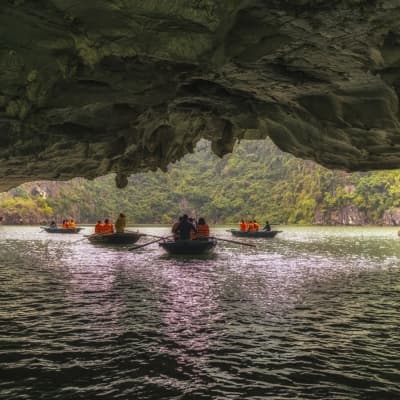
(184, 229)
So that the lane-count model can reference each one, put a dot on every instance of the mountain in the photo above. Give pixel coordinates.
(256, 181)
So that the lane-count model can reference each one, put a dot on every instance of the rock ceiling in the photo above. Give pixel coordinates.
(89, 87)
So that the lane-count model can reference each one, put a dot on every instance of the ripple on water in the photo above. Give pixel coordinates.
(311, 314)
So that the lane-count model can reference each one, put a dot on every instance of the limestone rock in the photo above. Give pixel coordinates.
(89, 87)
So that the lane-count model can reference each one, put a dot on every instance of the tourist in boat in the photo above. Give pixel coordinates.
(250, 227)
(267, 227)
(174, 228)
(120, 223)
(72, 224)
(108, 226)
(65, 224)
(203, 230)
(185, 228)
(53, 224)
(243, 226)
(99, 227)
(193, 235)
(256, 226)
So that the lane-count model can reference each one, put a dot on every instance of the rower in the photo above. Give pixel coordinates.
(120, 223)
(185, 228)
(174, 228)
(267, 227)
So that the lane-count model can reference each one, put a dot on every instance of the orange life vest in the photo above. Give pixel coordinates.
(251, 227)
(203, 231)
(108, 228)
(99, 228)
(72, 224)
(256, 226)
(65, 225)
(243, 226)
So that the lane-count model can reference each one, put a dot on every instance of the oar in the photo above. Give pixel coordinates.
(148, 243)
(88, 236)
(235, 241)
(159, 237)
(79, 240)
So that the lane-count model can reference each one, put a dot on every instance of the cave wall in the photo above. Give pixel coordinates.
(97, 86)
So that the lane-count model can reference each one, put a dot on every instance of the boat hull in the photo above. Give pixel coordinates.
(258, 234)
(115, 238)
(61, 230)
(188, 247)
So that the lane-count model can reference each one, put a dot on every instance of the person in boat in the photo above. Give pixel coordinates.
(250, 227)
(65, 224)
(243, 226)
(99, 227)
(108, 226)
(72, 224)
(193, 235)
(174, 228)
(267, 227)
(120, 223)
(256, 226)
(185, 228)
(203, 230)
(53, 224)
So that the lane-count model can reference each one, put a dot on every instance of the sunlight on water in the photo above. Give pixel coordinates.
(311, 314)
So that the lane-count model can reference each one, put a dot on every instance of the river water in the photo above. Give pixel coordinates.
(311, 314)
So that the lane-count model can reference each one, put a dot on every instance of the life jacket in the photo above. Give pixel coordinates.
(99, 228)
(72, 225)
(203, 231)
(108, 228)
(256, 226)
(243, 226)
(65, 225)
(251, 227)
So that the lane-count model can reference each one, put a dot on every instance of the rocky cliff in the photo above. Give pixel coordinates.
(88, 87)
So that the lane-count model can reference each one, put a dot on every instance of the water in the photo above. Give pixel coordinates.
(311, 314)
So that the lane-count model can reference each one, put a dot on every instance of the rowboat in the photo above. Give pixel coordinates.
(115, 238)
(189, 247)
(257, 234)
(49, 229)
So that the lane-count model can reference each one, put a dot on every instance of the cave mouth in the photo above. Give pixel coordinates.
(123, 88)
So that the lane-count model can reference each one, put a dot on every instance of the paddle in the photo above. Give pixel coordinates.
(87, 236)
(235, 241)
(159, 237)
(79, 240)
(148, 243)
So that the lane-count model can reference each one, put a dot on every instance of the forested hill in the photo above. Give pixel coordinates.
(256, 181)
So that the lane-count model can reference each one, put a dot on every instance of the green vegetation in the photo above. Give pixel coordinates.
(256, 181)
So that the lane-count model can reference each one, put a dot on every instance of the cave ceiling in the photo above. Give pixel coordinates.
(97, 86)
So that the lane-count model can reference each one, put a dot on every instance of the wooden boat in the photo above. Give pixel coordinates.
(189, 247)
(115, 238)
(257, 234)
(50, 229)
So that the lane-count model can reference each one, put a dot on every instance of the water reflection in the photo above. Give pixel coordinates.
(310, 314)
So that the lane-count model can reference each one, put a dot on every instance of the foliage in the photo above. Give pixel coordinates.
(256, 181)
